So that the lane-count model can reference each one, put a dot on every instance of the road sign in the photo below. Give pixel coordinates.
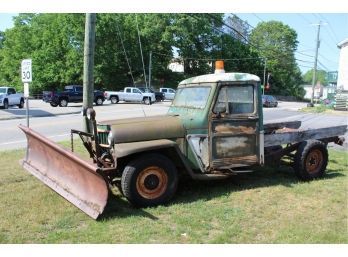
(26, 73)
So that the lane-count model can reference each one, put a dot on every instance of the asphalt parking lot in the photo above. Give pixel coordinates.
(38, 108)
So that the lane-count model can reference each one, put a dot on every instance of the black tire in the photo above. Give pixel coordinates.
(114, 99)
(63, 102)
(149, 180)
(21, 104)
(99, 101)
(53, 104)
(311, 160)
(5, 104)
(147, 100)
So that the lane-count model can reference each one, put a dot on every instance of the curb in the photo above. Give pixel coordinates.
(37, 116)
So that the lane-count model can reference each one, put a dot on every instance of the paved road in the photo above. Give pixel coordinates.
(56, 122)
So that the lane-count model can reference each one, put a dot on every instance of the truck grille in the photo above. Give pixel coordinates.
(103, 133)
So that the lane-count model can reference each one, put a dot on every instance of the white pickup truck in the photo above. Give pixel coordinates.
(9, 96)
(130, 94)
(169, 93)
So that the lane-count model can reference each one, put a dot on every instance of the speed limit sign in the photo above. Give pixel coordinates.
(26, 71)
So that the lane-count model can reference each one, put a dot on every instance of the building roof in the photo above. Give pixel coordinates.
(343, 43)
(221, 77)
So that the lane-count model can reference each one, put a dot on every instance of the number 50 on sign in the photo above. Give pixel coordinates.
(26, 71)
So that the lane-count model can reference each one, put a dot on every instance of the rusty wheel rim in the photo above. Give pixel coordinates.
(314, 161)
(152, 182)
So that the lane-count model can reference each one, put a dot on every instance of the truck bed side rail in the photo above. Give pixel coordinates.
(288, 136)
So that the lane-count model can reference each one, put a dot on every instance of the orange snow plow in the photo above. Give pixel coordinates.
(63, 171)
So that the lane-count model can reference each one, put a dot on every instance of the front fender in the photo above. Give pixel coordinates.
(125, 149)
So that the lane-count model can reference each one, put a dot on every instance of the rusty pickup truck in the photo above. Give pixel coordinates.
(213, 130)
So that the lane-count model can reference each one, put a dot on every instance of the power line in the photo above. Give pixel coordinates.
(305, 66)
(305, 54)
(211, 59)
(322, 65)
(304, 61)
(311, 49)
(328, 59)
(333, 32)
(258, 17)
(330, 47)
(304, 18)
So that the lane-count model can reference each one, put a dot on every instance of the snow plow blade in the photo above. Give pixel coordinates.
(67, 174)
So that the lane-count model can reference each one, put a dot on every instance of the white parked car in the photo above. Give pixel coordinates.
(130, 94)
(9, 96)
(169, 93)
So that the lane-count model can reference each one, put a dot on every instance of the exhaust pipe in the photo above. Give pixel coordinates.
(67, 174)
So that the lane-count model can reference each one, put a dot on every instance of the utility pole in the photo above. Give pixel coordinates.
(314, 80)
(88, 66)
(264, 76)
(150, 63)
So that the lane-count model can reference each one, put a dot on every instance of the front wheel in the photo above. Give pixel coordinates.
(63, 102)
(53, 104)
(147, 101)
(311, 160)
(149, 180)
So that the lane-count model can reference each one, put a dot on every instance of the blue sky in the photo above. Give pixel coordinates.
(334, 31)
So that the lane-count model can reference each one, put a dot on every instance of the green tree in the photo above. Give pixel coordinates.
(52, 41)
(320, 74)
(55, 44)
(278, 42)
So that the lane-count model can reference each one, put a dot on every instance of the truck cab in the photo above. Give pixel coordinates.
(222, 116)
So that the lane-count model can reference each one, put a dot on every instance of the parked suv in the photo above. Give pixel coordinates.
(71, 93)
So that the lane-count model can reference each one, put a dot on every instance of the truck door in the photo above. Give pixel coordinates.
(12, 97)
(234, 127)
(137, 96)
(78, 94)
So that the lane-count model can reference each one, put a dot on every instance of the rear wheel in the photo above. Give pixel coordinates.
(311, 160)
(63, 102)
(21, 104)
(114, 99)
(99, 101)
(53, 104)
(149, 180)
(5, 104)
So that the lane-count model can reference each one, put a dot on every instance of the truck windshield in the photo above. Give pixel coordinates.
(192, 97)
(2, 90)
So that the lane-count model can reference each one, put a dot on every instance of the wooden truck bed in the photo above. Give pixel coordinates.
(289, 133)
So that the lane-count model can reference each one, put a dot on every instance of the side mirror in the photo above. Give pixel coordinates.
(220, 109)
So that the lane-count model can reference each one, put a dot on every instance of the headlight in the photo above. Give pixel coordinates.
(110, 138)
(1, 96)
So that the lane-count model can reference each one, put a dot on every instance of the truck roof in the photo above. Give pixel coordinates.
(221, 77)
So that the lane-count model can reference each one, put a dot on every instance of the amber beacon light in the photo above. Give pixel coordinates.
(219, 67)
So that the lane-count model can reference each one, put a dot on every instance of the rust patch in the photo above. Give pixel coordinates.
(282, 130)
(228, 128)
